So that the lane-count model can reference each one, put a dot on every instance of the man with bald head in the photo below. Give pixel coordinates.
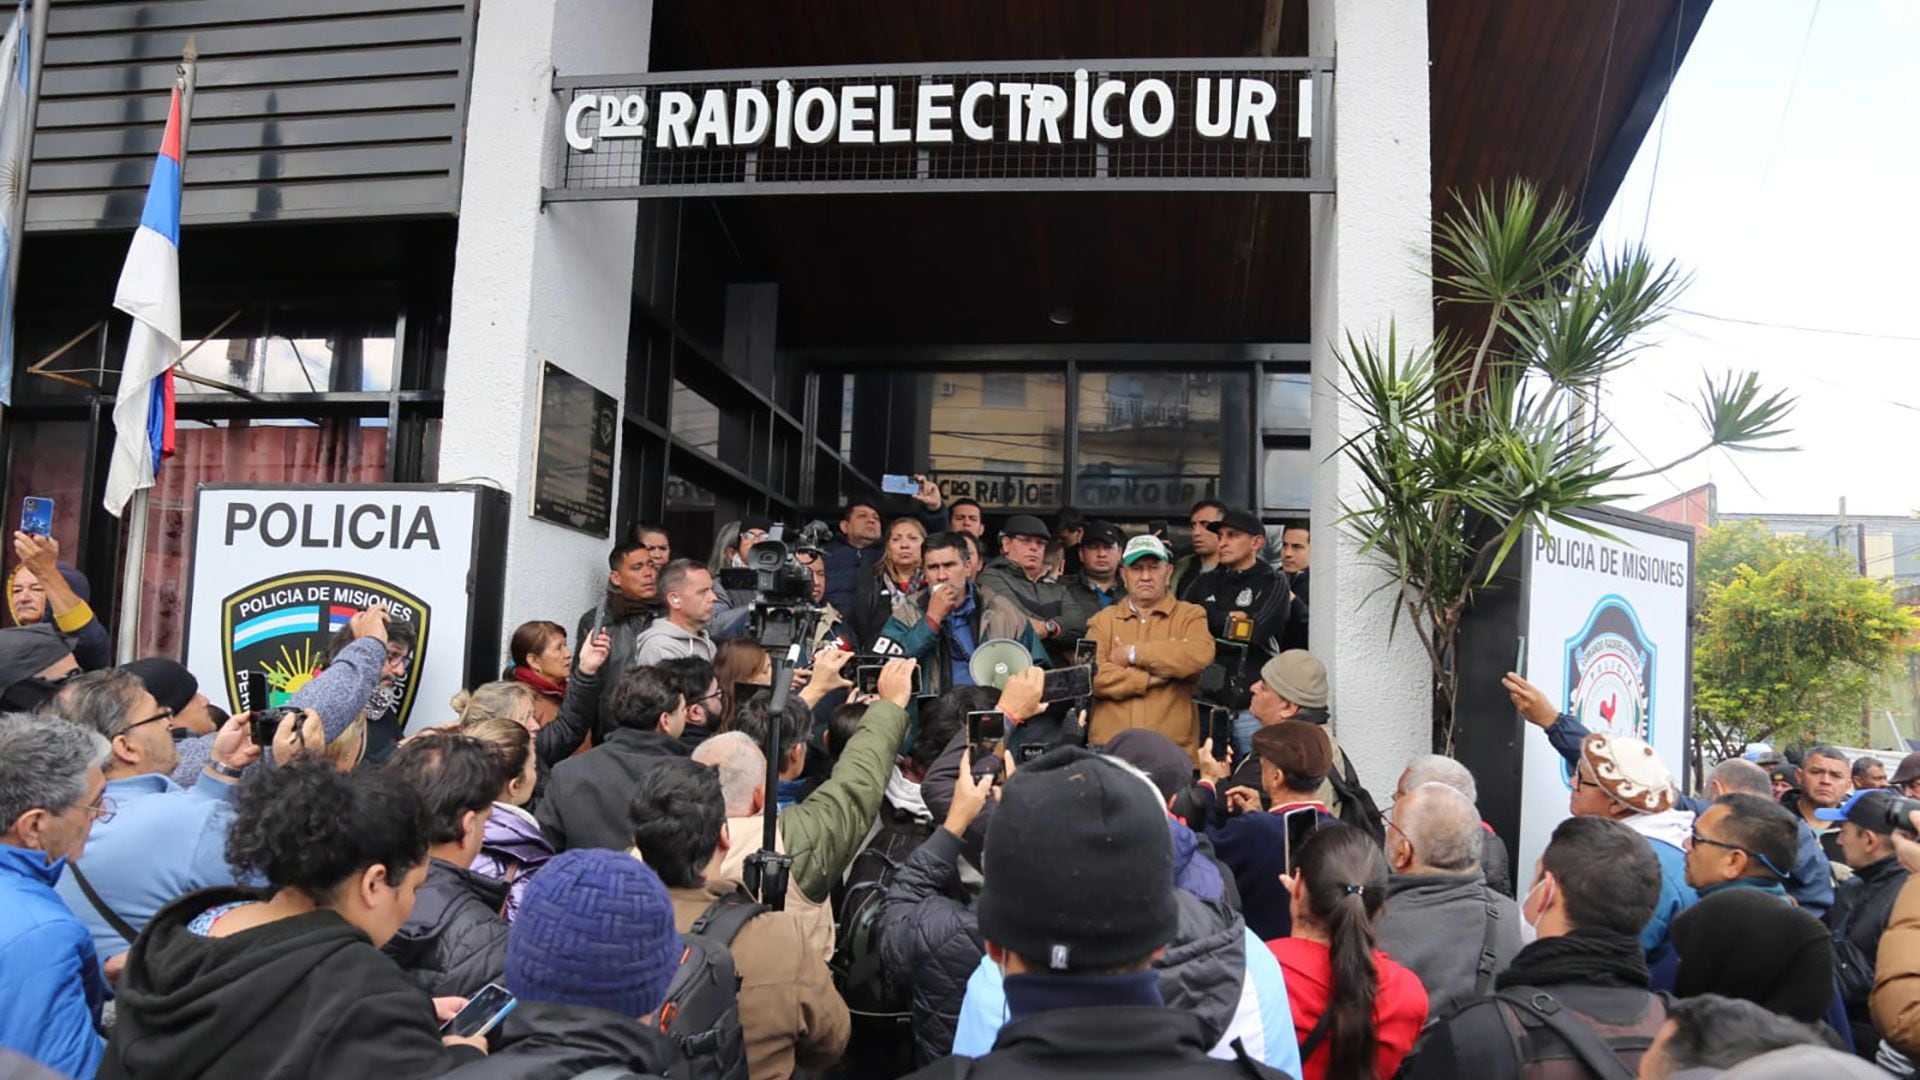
(1441, 919)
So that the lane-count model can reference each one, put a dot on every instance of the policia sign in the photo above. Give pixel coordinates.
(278, 571)
(1241, 123)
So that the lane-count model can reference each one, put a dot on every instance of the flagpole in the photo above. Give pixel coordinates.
(134, 574)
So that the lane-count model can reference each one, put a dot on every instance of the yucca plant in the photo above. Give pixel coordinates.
(1471, 440)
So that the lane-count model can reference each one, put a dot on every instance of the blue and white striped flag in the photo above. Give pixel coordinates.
(16, 73)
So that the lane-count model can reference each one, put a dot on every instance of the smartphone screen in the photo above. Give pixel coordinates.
(894, 484)
(1300, 824)
(482, 1013)
(253, 691)
(985, 732)
(1086, 651)
(1067, 683)
(867, 679)
(36, 516)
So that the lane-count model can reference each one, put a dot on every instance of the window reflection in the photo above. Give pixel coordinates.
(283, 365)
(696, 421)
(996, 436)
(1152, 440)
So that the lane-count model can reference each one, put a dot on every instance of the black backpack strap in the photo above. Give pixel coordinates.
(1587, 1044)
(722, 920)
(1315, 1037)
(120, 926)
(1489, 959)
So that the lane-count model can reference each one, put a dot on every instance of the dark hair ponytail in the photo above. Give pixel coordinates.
(1346, 881)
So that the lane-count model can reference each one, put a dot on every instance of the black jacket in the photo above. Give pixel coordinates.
(1261, 592)
(1858, 917)
(455, 942)
(624, 620)
(1296, 633)
(1141, 1041)
(307, 996)
(586, 802)
(931, 941)
(559, 1042)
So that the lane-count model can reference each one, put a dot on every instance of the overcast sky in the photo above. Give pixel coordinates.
(1788, 183)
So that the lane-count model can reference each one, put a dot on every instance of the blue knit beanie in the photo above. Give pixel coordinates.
(594, 928)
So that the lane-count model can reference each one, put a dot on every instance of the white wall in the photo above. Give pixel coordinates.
(532, 285)
(1371, 257)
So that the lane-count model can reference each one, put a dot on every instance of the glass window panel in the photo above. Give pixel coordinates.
(280, 365)
(1289, 401)
(1152, 441)
(689, 518)
(343, 451)
(696, 421)
(1287, 478)
(994, 436)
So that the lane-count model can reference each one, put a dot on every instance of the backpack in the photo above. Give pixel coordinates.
(1357, 807)
(1601, 1050)
(857, 971)
(702, 1010)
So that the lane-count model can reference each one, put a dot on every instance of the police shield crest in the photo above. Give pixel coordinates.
(1610, 672)
(281, 628)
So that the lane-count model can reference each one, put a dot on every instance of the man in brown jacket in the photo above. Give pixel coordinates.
(790, 1014)
(1151, 650)
(1896, 980)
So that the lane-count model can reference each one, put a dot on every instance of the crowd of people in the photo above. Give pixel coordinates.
(1178, 872)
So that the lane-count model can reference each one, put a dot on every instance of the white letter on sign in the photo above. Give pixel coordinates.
(751, 116)
(817, 100)
(577, 138)
(1257, 100)
(676, 108)
(1137, 108)
(713, 118)
(929, 114)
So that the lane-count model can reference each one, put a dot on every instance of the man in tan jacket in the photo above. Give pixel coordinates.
(791, 1017)
(1151, 650)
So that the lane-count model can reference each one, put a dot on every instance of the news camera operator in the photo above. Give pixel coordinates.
(1151, 649)
(1247, 603)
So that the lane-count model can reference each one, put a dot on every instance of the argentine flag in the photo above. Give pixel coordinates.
(16, 73)
(149, 291)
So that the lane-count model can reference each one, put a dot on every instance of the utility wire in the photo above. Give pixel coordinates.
(1798, 329)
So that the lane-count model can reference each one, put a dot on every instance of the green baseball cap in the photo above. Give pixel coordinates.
(1141, 547)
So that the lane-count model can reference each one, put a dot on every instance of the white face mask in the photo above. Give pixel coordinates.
(1528, 932)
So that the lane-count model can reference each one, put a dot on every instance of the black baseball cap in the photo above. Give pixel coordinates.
(1102, 532)
(1026, 525)
(1244, 520)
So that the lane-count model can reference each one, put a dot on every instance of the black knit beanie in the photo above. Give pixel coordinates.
(1753, 945)
(1078, 870)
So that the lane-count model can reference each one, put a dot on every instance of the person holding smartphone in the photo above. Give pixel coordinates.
(289, 980)
(42, 589)
(1260, 845)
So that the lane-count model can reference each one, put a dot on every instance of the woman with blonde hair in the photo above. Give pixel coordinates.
(513, 847)
(896, 577)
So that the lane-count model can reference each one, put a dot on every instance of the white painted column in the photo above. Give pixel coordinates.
(1372, 244)
(532, 285)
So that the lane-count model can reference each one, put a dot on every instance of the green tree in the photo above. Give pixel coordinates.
(1790, 642)
(1471, 441)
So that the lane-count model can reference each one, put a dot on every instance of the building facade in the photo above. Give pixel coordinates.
(376, 268)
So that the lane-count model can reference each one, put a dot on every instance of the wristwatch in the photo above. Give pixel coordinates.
(226, 770)
(1132, 660)
(1053, 629)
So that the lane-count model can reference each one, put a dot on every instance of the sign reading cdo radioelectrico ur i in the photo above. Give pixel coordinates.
(277, 572)
(1204, 124)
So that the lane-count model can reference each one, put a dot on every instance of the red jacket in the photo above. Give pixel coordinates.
(1399, 1003)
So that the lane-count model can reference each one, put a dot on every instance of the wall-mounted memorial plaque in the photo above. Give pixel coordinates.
(573, 465)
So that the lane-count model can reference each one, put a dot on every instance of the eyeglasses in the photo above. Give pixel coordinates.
(1694, 839)
(101, 811)
(163, 714)
(1391, 824)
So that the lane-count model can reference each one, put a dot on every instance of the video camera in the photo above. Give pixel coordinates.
(1224, 682)
(782, 612)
